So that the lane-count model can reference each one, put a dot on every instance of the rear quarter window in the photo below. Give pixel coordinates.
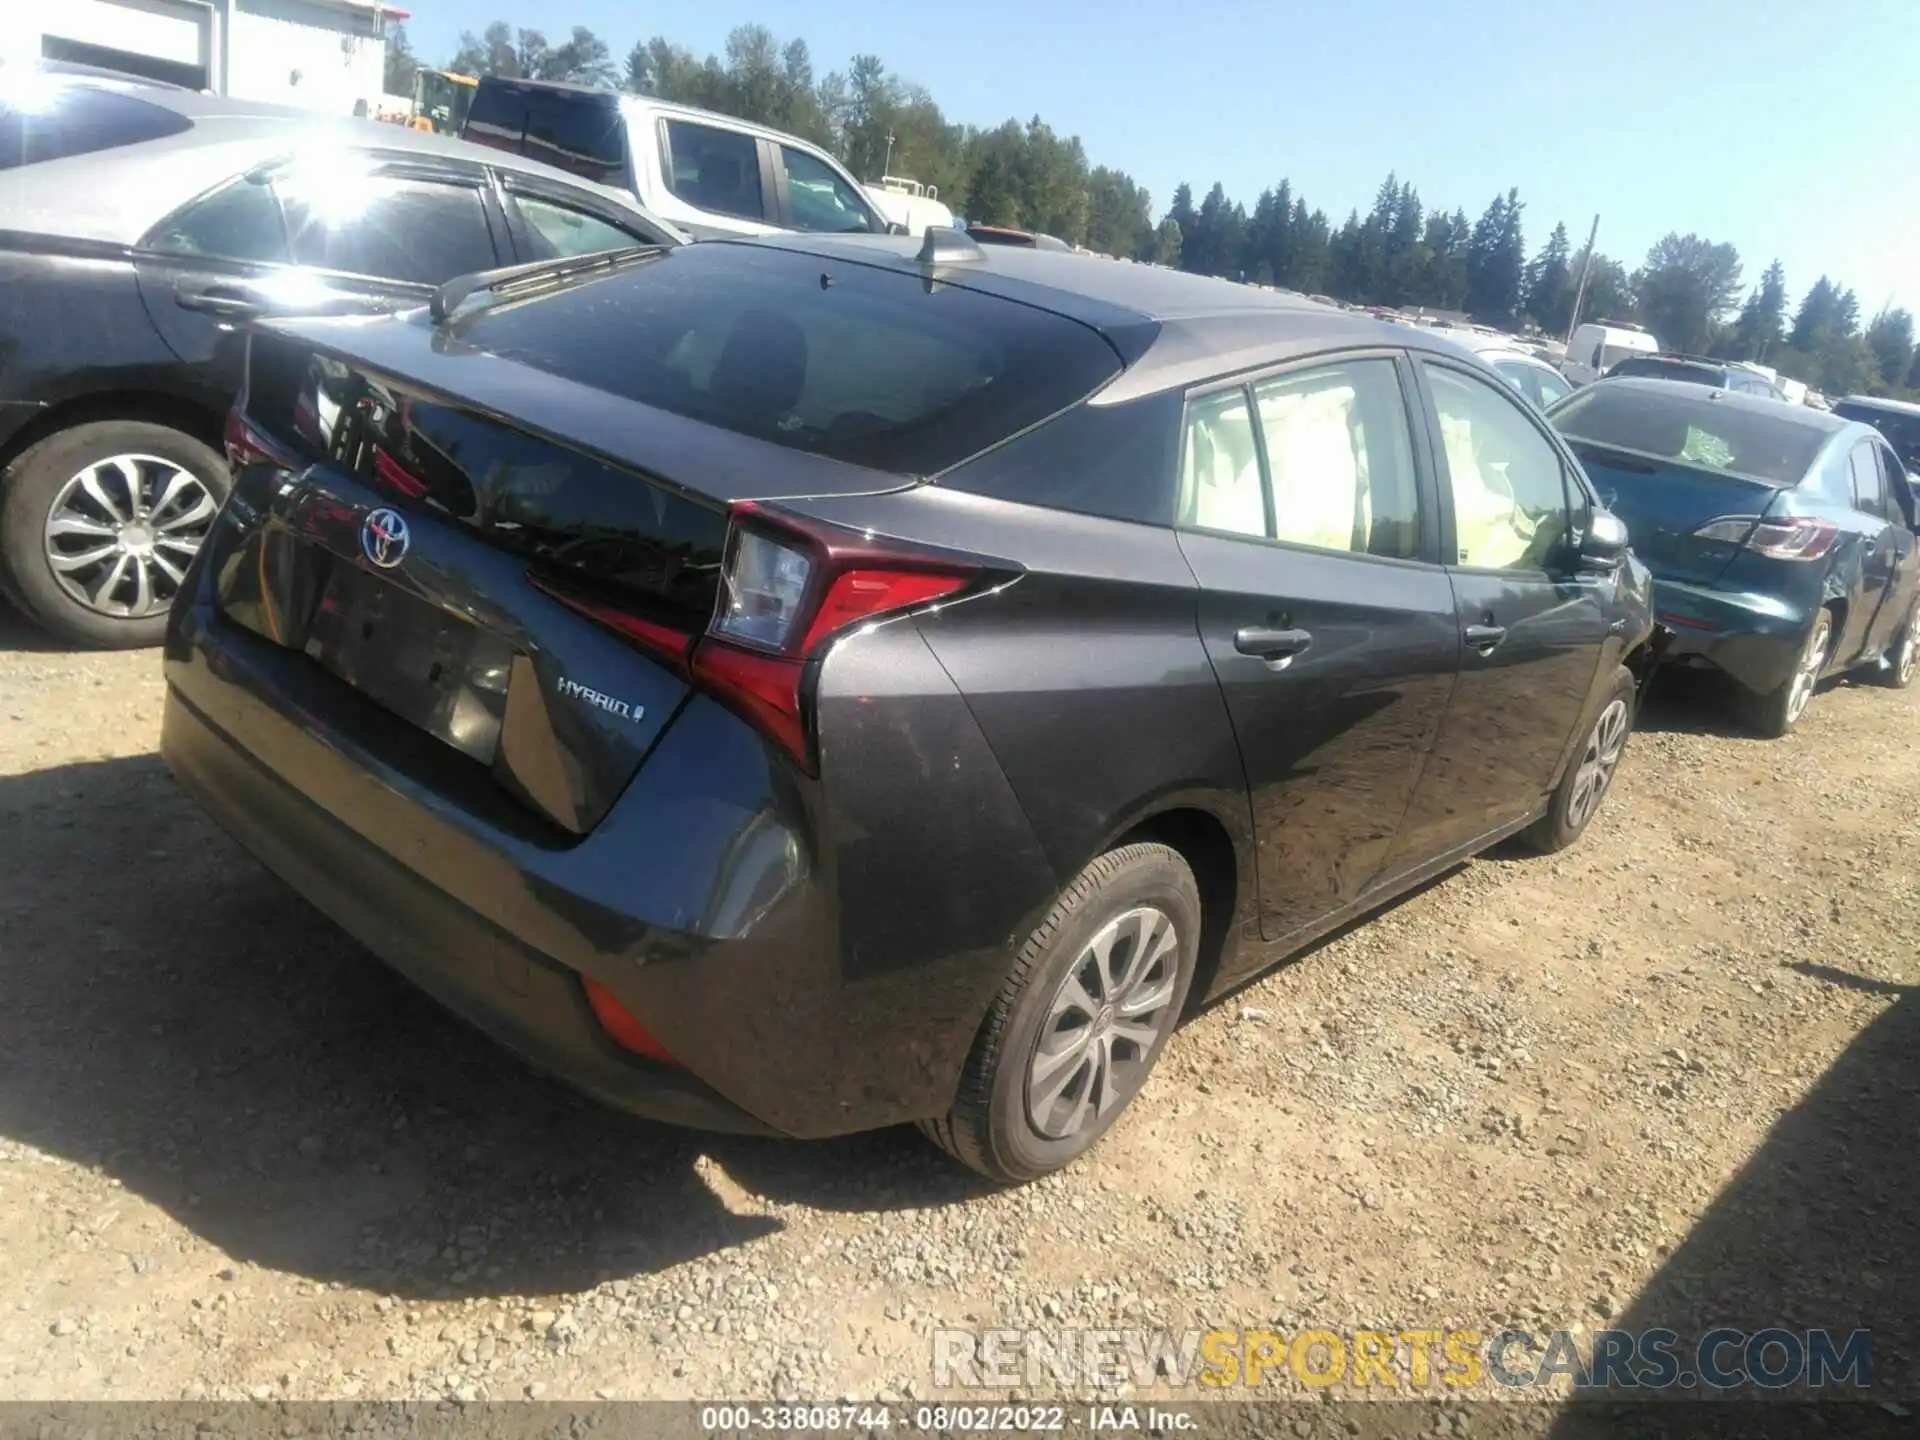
(56, 121)
(850, 361)
(1115, 461)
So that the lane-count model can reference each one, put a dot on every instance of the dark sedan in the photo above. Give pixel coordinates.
(810, 684)
(140, 229)
(1781, 538)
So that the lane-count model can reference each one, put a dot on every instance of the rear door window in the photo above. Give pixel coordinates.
(53, 120)
(819, 197)
(714, 169)
(418, 231)
(1339, 459)
(1869, 493)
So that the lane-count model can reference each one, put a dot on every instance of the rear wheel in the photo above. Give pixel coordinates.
(1903, 656)
(1590, 776)
(1778, 711)
(99, 524)
(1080, 1022)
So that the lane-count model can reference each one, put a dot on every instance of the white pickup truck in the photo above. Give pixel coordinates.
(709, 174)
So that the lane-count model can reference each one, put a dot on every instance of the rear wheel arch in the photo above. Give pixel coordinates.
(1222, 872)
(152, 407)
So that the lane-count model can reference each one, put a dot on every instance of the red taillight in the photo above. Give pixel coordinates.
(857, 595)
(623, 1026)
(787, 588)
(1790, 538)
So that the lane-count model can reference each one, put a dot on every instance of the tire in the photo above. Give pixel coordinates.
(1903, 655)
(1126, 898)
(1605, 731)
(1776, 713)
(51, 476)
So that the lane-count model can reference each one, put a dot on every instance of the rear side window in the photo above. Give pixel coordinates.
(56, 120)
(716, 170)
(844, 360)
(820, 197)
(559, 231)
(410, 230)
(1867, 492)
(1220, 467)
(1693, 430)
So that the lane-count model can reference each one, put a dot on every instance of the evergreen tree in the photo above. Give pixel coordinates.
(1890, 338)
(1760, 328)
(1496, 263)
(401, 63)
(1550, 284)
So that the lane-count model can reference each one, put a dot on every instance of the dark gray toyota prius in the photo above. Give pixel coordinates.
(804, 685)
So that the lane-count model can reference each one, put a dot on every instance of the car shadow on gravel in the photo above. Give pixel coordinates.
(19, 635)
(174, 1016)
(1819, 1231)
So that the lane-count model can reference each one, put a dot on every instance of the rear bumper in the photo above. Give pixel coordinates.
(817, 953)
(523, 1000)
(1751, 637)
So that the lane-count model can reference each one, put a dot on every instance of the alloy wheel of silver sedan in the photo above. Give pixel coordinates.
(122, 532)
(1597, 762)
(1110, 1011)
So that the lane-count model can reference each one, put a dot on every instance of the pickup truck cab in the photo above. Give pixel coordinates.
(711, 175)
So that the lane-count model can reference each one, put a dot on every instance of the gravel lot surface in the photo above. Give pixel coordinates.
(1672, 1076)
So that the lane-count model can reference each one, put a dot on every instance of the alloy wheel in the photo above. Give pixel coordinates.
(1111, 1010)
(121, 533)
(1597, 763)
(1813, 659)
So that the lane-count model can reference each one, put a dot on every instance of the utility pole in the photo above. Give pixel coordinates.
(886, 166)
(1580, 290)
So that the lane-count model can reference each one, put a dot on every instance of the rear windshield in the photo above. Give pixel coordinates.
(578, 132)
(1646, 365)
(856, 363)
(43, 118)
(1690, 429)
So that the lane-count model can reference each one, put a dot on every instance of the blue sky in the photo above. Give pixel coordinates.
(1786, 127)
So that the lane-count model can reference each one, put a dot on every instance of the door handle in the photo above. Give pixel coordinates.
(1484, 637)
(1276, 647)
(227, 300)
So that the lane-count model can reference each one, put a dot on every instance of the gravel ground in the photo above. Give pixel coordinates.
(1667, 1077)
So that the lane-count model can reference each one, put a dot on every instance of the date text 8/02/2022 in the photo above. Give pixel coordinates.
(1416, 1360)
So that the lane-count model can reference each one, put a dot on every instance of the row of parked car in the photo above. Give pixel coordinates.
(810, 682)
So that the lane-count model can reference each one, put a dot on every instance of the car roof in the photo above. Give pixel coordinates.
(1713, 398)
(115, 196)
(1172, 328)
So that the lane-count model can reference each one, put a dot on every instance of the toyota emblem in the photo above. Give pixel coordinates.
(384, 538)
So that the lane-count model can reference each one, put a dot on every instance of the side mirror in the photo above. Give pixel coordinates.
(1603, 545)
(895, 227)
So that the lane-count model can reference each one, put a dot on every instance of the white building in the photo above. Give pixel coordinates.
(322, 55)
